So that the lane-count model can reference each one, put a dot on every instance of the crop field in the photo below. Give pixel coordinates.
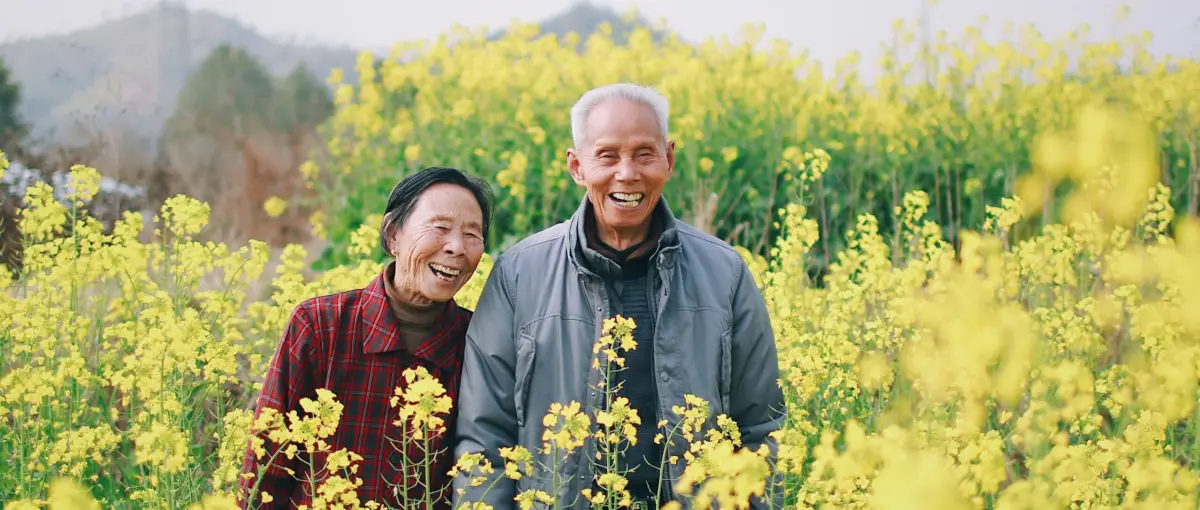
(982, 268)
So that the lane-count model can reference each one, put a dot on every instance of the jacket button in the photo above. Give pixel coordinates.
(663, 375)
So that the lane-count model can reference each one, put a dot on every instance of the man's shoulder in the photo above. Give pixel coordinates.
(537, 245)
(540, 254)
(548, 237)
(706, 247)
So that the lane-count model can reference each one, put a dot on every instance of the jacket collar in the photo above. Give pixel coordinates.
(590, 262)
(381, 333)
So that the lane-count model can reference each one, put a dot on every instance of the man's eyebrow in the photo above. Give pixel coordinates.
(640, 143)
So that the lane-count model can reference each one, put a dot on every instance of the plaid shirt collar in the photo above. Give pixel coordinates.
(381, 333)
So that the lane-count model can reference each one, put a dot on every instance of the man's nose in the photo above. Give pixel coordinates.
(625, 170)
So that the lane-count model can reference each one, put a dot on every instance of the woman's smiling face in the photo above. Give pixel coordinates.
(439, 246)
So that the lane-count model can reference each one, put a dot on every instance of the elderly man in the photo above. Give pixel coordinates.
(701, 324)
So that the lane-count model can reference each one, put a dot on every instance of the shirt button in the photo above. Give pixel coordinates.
(663, 375)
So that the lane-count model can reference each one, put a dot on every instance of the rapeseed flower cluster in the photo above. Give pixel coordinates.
(1049, 359)
(953, 114)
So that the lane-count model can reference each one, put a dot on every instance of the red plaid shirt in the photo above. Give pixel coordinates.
(350, 344)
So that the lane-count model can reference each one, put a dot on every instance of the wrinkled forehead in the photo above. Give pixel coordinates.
(619, 122)
(448, 205)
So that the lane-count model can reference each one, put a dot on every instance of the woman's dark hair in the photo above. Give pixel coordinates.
(404, 197)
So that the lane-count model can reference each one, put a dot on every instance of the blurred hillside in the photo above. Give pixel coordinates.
(172, 100)
(128, 73)
(583, 18)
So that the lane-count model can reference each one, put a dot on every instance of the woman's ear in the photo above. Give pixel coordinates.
(390, 242)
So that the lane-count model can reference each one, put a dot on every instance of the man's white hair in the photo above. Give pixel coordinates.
(628, 91)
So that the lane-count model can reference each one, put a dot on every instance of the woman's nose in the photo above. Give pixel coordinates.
(453, 243)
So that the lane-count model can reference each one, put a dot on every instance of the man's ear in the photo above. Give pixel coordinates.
(573, 166)
(670, 158)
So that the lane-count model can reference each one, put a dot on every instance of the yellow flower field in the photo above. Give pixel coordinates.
(954, 115)
(1047, 355)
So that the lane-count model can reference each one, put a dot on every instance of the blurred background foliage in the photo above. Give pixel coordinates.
(319, 134)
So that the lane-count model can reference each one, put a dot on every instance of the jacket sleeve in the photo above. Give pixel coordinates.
(486, 418)
(756, 399)
(289, 378)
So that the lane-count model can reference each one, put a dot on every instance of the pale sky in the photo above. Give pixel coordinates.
(829, 28)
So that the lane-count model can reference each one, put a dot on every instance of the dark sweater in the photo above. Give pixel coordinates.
(635, 381)
(632, 289)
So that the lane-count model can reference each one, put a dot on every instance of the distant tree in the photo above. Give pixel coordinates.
(302, 100)
(225, 104)
(228, 97)
(301, 103)
(237, 137)
(11, 125)
(12, 129)
(218, 144)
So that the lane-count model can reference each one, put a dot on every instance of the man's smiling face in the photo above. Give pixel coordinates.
(624, 162)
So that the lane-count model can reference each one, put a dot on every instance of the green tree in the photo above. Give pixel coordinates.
(228, 98)
(219, 144)
(302, 100)
(11, 125)
(237, 137)
(301, 103)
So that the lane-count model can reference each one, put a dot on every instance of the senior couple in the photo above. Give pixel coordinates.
(701, 324)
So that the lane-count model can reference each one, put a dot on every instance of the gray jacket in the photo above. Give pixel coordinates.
(530, 345)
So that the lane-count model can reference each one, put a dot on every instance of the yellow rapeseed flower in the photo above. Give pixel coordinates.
(274, 206)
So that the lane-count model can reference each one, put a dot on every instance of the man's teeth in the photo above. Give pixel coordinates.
(628, 197)
(443, 269)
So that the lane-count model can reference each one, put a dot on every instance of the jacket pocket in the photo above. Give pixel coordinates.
(526, 348)
(726, 370)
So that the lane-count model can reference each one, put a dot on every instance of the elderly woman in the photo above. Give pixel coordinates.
(358, 343)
